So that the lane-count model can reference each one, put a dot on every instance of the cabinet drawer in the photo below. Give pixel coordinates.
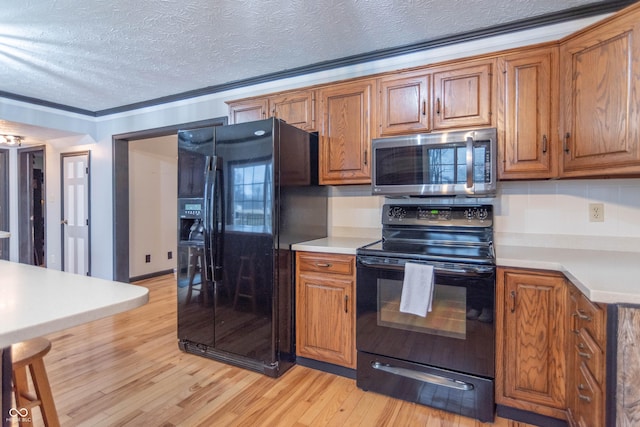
(589, 353)
(592, 318)
(335, 264)
(589, 400)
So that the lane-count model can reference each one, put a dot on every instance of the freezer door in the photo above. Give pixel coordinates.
(244, 289)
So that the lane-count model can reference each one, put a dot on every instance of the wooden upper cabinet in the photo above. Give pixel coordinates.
(527, 114)
(344, 132)
(248, 110)
(531, 332)
(403, 104)
(295, 108)
(462, 95)
(600, 91)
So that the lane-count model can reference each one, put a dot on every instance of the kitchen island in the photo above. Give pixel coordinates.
(37, 301)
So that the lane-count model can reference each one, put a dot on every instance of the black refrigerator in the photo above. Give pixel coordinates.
(246, 193)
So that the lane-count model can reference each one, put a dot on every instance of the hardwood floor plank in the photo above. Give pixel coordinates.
(127, 370)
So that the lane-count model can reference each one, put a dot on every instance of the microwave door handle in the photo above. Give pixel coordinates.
(469, 162)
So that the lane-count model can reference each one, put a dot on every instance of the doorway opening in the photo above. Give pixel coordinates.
(121, 240)
(31, 206)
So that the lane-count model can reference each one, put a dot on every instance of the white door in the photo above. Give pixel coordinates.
(75, 213)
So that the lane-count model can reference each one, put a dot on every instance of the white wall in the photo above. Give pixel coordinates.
(153, 205)
(96, 134)
(547, 213)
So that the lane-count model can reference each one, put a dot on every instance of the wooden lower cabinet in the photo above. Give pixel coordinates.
(325, 308)
(531, 336)
(587, 361)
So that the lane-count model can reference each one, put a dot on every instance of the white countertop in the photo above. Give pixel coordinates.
(334, 245)
(35, 301)
(4, 234)
(603, 276)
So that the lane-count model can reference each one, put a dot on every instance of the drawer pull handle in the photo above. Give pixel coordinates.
(585, 355)
(323, 265)
(585, 398)
(574, 328)
(346, 303)
(583, 316)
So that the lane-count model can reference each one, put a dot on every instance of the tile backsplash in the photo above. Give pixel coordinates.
(547, 213)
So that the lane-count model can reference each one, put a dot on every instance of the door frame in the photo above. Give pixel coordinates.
(120, 187)
(62, 202)
(4, 201)
(25, 209)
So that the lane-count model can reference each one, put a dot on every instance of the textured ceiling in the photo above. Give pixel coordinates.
(98, 55)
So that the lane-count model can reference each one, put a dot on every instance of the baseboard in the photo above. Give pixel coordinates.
(150, 275)
(529, 417)
(326, 367)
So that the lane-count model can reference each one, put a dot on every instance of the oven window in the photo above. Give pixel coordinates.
(446, 318)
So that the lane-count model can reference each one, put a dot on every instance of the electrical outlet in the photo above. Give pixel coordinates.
(169, 255)
(147, 258)
(596, 212)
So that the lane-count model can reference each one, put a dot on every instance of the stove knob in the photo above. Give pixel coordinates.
(482, 214)
(469, 214)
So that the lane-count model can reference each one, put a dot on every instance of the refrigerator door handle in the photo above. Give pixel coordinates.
(218, 220)
(208, 214)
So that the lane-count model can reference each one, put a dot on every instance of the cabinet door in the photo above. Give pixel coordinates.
(248, 110)
(295, 108)
(325, 319)
(345, 120)
(462, 96)
(403, 104)
(601, 99)
(527, 111)
(531, 332)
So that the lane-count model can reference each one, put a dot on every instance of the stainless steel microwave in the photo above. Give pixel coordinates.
(460, 163)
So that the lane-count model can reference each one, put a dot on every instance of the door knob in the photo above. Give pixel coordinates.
(64, 222)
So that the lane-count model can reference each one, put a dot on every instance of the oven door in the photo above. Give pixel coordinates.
(458, 334)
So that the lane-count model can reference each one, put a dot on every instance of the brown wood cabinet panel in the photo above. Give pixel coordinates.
(326, 263)
(587, 361)
(531, 335)
(462, 95)
(325, 308)
(527, 114)
(601, 99)
(248, 110)
(403, 104)
(345, 141)
(295, 108)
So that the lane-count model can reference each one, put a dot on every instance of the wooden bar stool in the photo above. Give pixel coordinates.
(30, 354)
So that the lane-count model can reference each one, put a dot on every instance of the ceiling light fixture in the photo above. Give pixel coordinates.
(11, 140)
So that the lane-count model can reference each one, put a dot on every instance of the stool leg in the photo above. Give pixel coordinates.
(20, 386)
(43, 391)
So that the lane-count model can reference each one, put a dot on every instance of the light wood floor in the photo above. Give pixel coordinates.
(127, 370)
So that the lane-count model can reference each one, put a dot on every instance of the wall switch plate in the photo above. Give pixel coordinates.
(169, 255)
(147, 258)
(596, 212)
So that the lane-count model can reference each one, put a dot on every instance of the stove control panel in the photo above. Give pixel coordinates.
(460, 216)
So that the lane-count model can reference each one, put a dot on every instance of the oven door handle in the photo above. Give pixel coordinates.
(469, 161)
(423, 376)
(470, 271)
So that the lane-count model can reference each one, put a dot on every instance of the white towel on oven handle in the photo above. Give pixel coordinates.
(417, 289)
